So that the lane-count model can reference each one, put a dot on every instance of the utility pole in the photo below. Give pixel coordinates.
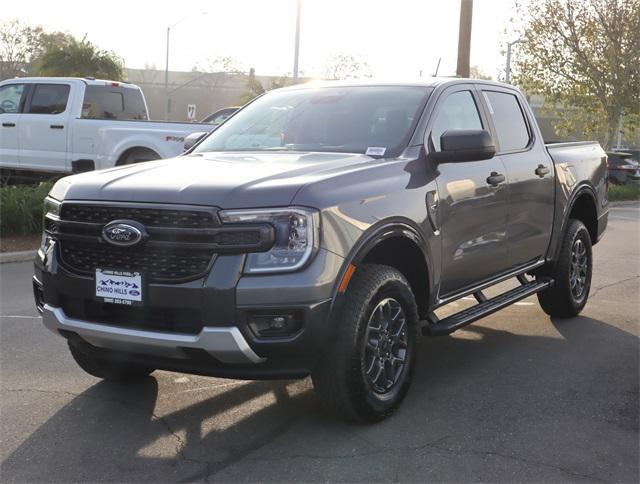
(296, 52)
(464, 38)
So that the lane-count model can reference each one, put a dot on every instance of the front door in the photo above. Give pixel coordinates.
(472, 208)
(531, 176)
(44, 128)
(11, 102)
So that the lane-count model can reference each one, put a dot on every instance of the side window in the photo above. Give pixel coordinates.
(49, 99)
(508, 119)
(459, 111)
(11, 98)
(106, 102)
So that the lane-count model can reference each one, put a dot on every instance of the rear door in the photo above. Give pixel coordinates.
(530, 172)
(471, 211)
(12, 97)
(44, 128)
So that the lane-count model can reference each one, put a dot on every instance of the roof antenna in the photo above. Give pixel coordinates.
(437, 67)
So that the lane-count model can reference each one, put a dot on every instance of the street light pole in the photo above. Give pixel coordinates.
(166, 80)
(166, 68)
(296, 52)
(507, 70)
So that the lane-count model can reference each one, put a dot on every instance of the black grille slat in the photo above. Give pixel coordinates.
(150, 217)
(160, 263)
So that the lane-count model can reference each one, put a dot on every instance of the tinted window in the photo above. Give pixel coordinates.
(113, 102)
(11, 97)
(376, 120)
(508, 119)
(49, 99)
(458, 111)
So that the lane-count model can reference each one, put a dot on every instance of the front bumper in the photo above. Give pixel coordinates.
(212, 333)
(227, 345)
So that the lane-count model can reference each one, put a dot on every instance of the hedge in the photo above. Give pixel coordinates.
(21, 208)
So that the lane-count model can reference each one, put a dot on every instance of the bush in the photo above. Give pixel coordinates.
(21, 208)
(624, 192)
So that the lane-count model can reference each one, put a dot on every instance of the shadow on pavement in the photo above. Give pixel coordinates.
(483, 387)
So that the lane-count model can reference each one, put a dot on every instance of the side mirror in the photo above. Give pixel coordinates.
(464, 145)
(192, 139)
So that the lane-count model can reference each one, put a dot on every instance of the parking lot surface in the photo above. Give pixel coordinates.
(514, 397)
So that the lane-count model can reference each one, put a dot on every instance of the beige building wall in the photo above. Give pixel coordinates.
(208, 91)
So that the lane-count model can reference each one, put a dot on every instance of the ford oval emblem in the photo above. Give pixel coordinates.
(123, 233)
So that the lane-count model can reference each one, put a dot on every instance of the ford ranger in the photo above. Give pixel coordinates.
(58, 125)
(316, 232)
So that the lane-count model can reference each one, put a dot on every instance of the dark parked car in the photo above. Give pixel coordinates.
(316, 232)
(220, 115)
(623, 167)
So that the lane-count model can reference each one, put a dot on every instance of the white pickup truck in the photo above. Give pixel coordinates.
(57, 125)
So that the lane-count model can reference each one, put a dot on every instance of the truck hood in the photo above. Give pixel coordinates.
(226, 180)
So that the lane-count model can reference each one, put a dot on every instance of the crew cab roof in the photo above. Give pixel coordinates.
(427, 82)
(87, 81)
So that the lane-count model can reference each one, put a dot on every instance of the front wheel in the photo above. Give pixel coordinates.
(367, 371)
(571, 274)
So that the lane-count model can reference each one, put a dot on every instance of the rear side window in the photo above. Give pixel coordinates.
(49, 99)
(11, 98)
(458, 111)
(508, 118)
(113, 102)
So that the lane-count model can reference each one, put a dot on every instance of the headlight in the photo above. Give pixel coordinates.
(51, 206)
(296, 237)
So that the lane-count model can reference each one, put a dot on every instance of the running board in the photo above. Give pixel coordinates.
(485, 307)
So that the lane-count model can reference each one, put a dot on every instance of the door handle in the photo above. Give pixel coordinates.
(495, 179)
(56, 126)
(542, 170)
(8, 125)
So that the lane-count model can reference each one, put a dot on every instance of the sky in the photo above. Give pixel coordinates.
(397, 38)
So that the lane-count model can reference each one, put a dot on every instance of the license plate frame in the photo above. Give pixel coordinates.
(114, 286)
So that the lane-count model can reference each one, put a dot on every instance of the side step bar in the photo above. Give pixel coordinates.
(485, 307)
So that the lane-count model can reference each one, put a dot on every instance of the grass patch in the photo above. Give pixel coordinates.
(21, 208)
(624, 192)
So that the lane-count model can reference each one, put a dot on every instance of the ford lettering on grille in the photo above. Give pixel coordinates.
(122, 233)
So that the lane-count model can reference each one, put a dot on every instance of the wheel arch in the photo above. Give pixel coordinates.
(398, 244)
(123, 156)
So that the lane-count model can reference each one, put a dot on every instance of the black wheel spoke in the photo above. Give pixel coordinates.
(386, 346)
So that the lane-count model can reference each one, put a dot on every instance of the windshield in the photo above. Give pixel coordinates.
(376, 120)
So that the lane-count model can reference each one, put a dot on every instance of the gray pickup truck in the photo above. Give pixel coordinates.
(316, 232)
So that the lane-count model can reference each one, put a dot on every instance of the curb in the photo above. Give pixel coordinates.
(22, 256)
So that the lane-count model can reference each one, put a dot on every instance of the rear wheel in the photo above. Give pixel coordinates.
(138, 155)
(367, 371)
(571, 274)
(108, 369)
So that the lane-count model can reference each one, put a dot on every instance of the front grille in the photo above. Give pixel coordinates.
(157, 263)
(168, 319)
(163, 258)
(150, 217)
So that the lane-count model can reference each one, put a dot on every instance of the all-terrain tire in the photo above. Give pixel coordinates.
(108, 369)
(344, 377)
(571, 273)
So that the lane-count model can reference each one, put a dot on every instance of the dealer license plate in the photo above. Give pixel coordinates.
(119, 287)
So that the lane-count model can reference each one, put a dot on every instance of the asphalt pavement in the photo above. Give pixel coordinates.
(515, 397)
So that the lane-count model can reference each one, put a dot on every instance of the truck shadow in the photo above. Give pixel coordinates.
(149, 432)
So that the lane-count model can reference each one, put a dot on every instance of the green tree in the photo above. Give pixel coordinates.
(583, 56)
(346, 66)
(64, 55)
(477, 73)
(19, 45)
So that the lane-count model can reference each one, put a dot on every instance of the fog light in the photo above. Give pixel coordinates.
(274, 325)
